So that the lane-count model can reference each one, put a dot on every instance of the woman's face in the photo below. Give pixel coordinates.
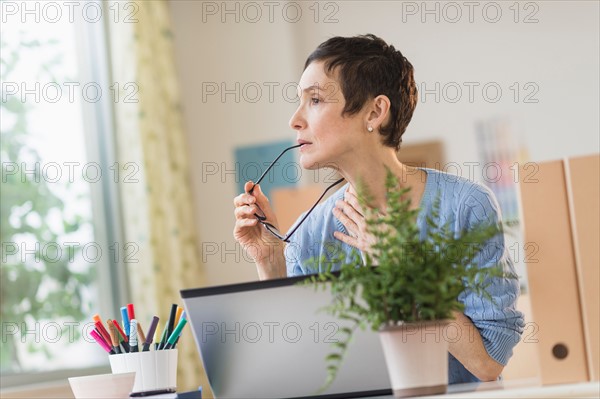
(328, 138)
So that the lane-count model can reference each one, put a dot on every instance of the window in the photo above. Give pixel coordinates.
(59, 217)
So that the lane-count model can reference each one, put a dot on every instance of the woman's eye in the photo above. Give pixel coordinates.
(315, 100)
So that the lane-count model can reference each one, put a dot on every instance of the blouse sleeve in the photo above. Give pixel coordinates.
(499, 323)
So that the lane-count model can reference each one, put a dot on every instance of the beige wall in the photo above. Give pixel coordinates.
(216, 53)
(558, 55)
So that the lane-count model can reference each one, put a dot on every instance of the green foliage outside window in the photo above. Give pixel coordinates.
(47, 285)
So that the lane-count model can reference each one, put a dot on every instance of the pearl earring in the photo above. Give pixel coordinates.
(370, 128)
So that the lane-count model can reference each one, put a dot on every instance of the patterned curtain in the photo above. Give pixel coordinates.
(154, 176)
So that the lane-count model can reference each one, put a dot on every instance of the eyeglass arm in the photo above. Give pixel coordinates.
(288, 235)
(272, 164)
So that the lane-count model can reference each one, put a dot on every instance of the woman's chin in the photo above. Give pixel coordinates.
(311, 162)
(308, 163)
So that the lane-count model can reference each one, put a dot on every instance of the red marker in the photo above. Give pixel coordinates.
(124, 339)
(130, 311)
(102, 331)
(121, 333)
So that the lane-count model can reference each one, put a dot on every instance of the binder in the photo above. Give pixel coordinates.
(560, 206)
(584, 176)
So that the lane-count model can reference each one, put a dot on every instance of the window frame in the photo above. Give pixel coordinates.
(94, 63)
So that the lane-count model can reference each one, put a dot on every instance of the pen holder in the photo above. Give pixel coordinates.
(154, 370)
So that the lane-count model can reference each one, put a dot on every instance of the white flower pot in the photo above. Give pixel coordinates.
(416, 355)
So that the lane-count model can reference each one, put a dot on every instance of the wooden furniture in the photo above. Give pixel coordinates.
(560, 204)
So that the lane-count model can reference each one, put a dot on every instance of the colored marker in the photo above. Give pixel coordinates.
(133, 336)
(124, 339)
(100, 341)
(118, 336)
(96, 317)
(101, 337)
(105, 335)
(178, 315)
(114, 337)
(150, 336)
(125, 320)
(183, 316)
(175, 334)
(141, 336)
(163, 338)
(130, 311)
(169, 327)
(98, 332)
(157, 336)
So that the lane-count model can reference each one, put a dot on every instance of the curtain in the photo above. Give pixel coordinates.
(162, 253)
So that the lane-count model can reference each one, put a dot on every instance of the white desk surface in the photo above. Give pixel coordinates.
(517, 389)
(530, 388)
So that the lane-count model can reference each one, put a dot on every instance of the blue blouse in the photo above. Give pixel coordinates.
(463, 204)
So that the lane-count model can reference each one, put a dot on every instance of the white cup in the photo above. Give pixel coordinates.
(154, 369)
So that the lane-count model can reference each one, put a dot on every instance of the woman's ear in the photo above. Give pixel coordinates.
(378, 113)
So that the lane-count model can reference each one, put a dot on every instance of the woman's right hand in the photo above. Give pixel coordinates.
(258, 243)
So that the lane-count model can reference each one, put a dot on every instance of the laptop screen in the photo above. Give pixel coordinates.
(269, 339)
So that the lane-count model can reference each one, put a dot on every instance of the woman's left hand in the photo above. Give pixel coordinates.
(351, 214)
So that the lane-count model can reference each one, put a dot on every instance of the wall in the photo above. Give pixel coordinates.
(557, 57)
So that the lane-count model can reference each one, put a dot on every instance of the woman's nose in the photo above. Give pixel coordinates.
(297, 122)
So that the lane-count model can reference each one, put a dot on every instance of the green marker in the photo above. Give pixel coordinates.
(163, 339)
(176, 333)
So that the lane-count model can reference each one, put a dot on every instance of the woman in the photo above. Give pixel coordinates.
(357, 97)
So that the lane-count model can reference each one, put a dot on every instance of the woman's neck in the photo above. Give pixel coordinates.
(369, 172)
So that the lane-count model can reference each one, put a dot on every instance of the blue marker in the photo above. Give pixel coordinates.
(125, 317)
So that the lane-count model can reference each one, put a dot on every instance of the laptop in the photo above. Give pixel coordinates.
(269, 339)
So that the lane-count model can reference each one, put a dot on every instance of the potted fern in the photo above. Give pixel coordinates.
(407, 291)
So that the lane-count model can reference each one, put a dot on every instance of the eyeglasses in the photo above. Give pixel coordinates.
(263, 219)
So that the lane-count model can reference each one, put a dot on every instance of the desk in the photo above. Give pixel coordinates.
(517, 389)
(522, 389)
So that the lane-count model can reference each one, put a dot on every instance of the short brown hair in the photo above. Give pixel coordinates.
(369, 67)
